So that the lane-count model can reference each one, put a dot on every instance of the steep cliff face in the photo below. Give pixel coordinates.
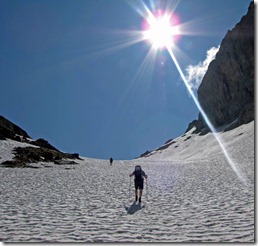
(226, 93)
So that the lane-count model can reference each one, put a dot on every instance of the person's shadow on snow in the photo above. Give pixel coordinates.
(134, 208)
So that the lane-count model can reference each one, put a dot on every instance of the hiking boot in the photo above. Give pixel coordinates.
(136, 198)
(140, 199)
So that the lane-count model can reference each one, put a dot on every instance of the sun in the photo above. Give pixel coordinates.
(160, 30)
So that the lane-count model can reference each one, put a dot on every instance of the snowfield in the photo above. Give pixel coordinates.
(192, 195)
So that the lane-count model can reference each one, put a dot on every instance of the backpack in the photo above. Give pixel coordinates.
(138, 173)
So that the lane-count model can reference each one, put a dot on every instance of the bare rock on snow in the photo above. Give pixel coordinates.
(41, 142)
(24, 156)
(36, 151)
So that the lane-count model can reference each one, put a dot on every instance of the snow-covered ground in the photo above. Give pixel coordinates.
(192, 195)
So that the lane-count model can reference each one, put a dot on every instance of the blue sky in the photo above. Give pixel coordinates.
(69, 75)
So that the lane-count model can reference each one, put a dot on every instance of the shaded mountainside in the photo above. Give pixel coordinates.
(35, 151)
(226, 93)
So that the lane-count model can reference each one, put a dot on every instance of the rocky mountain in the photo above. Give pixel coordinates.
(226, 93)
(34, 151)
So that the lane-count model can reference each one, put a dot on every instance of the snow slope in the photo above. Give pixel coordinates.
(192, 195)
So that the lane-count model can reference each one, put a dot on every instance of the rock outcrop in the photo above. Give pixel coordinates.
(10, 130)
(226, 93)
(42, 152)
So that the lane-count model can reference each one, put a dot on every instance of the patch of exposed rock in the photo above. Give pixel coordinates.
(27, 155)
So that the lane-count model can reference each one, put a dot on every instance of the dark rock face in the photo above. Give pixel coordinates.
(10, 130)
(146, 153)
(226, 93)
(41, 142)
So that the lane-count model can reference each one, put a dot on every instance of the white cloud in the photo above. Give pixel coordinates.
(195, 73)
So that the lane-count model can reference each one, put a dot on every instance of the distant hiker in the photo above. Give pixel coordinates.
(138, 181)
(111, 161)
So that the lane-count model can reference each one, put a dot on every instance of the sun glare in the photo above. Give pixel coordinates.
(162, 28)
(160, 31)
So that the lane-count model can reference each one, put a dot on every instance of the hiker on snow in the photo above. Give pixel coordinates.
(111, 161)
(138, 181)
